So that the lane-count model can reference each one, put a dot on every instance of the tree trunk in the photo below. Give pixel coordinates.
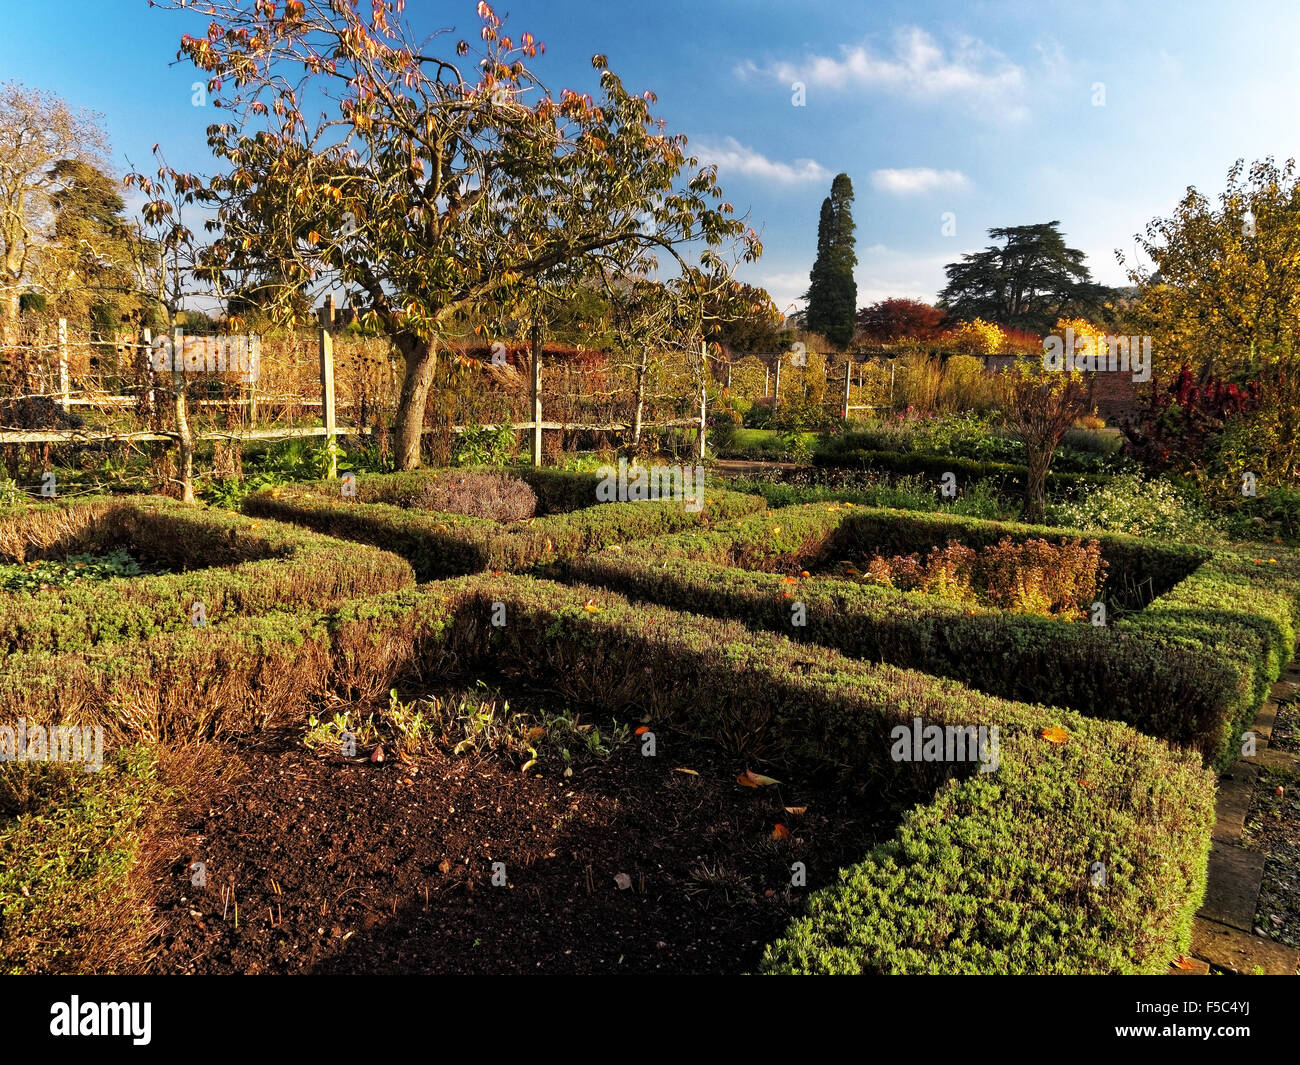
(642, 368)
(186, 443)
(421, 357)
(1035, 506)
(9, 312)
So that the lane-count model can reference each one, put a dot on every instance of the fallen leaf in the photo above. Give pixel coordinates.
(641, 730)
(796, 811)
(755, 780)
(623, 881)
(780, 832)
(377, 755)
(1185, 962)
(683, 769)
(1055, 735)
(1085, 783)
(444, 867)
(528, 765)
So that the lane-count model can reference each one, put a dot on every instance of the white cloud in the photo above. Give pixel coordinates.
(731, 155)
(917, 179)
(785, 287)
(916, 66)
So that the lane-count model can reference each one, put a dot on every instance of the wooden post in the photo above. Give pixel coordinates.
(327, 312)
(848, 381)
(704, 383)
(146, 338)
(327, 391)
(186, 437)
(537, 392)
(254, 343)
(65, 386)
(776, 395)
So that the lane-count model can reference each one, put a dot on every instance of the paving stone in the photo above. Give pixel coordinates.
(1236, 787)
(1272, 758)
(1233, 951)
(1263, 726)
(1235, 875)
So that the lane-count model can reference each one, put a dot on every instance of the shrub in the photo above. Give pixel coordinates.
(443, 545)
(496, 496)
(1033, 577)
(479, 445)
(1148, 508)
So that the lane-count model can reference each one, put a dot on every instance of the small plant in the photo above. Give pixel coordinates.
(329, 734)
(1129, 504)
(1034, 577)
(61, 573)
(496, 496)
(10, 494)
(479, 445)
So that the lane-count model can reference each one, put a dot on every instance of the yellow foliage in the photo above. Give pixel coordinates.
(978, 338)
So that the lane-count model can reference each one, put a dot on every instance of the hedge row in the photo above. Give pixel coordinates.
(234, 566)
(809, 534)
(444, 545)
(1009, 476)
(1192, 668)
(203, 683)
(994, 874)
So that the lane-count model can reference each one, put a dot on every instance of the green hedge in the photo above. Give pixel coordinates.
(443, 545)
(1191, 668)
(1009, 476)
(990, 874)
(236, 567)
(203, 683)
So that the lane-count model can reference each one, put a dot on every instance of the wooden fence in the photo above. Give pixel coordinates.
(66, 398)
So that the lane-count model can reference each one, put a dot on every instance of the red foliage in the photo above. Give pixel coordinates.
(1176, 426)
(899, 319)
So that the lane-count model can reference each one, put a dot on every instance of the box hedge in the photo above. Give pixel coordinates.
(443, 545)
(235, 566)
(1008, 476)
(1191, 668)
(991, 873)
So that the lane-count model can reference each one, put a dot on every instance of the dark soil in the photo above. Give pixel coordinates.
(1273, 827)
(340, 867)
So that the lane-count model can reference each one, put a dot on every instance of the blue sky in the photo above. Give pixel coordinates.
(992, 111)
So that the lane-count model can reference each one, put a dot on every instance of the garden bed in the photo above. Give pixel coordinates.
(1021, 840)
(1208, 631)
(236, 568)
(409, 888)
(443, 545)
